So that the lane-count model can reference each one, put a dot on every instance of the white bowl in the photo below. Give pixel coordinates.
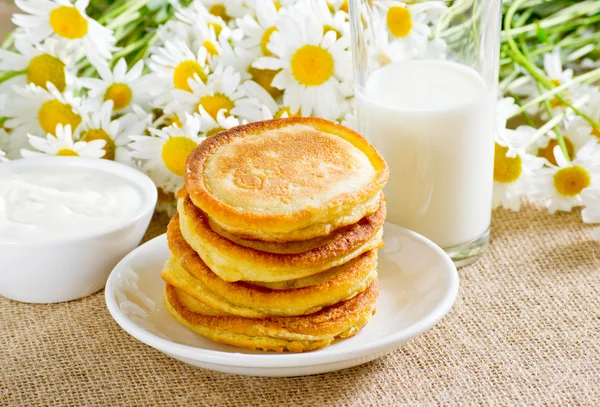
(418, 284)
(64, 269)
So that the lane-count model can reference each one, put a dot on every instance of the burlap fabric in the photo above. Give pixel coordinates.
(524, 331)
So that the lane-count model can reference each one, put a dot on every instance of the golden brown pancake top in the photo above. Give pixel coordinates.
(283, 170)
(285, 175)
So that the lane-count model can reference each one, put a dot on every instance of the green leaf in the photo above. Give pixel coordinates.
(541, 33)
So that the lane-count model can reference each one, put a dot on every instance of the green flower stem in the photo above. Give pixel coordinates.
(505, 83)
(124, 7)
(130, 48)
(555, 121)
(126, 19)
(591, 76)
(522, 59)
(8, 41)
(560, 139)
(563, 43)
(526, 115)
(559, 136)
(4, 76)
(568, 15)
(143, 53)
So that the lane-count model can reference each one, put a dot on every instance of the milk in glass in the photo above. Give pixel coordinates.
(434, 123)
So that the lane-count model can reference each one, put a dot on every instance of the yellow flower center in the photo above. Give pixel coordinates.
(175, 152)
(596, 132)
(277, 5)
(53, 113)
(68, 22)
(211, 48)
(120, 94)
(185, 71)
(219, 10)
(217, 27)
(215, 103)
(173, 120)
(286, 109)
(110, 147)
(312, 65)
(327, 28)
(67, 152)
(571, 181)
(264, 41)
(555, 101)
(215, 131)
(548, 151)
(264, 77)
(399, 21)
(506, 169)
(47, 68)
(344, 6)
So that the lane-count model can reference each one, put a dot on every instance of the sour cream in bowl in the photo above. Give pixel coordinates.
(65, 222)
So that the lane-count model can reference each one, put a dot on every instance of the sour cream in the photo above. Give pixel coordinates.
(61, 202)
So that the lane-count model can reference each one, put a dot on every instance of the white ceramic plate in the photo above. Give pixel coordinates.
(418, 285)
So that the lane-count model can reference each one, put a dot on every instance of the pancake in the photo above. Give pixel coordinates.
(365, 227)
(233, 262)
(250, 301)
(294, 334)
(187, 272)
(285, 180)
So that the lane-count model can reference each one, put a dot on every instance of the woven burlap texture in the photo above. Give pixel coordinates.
(525, 330)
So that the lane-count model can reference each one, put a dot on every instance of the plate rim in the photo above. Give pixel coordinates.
(279, 360)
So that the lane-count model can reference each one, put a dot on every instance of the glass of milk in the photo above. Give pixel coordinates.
(426, 76)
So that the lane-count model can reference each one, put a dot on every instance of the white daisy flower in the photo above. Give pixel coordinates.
(258, 28)
(264, 98)
(574, 138)
(62, 18)
(62, 143)
(516, 141)
(562, 185)
(135, 122)
(332, 21)
(578, 129)
(591, 212)
(315, 68)
(124, 88)
(211, 126)
(407, 26)
(162, 156)
(228, 10)
(554, 69)
(192, 25)
(222, 91)
(40, 63)
(204, 29)
(238, 57)
(175, 64)
(38, 111)
(513, 177)
(100, 126)
(338, 5)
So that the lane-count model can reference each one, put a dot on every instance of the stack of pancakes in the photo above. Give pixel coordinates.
(274, 245)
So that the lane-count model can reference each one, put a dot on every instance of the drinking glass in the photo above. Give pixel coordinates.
(426, 75)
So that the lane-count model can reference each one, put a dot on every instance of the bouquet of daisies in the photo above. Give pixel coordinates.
(144, 81)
